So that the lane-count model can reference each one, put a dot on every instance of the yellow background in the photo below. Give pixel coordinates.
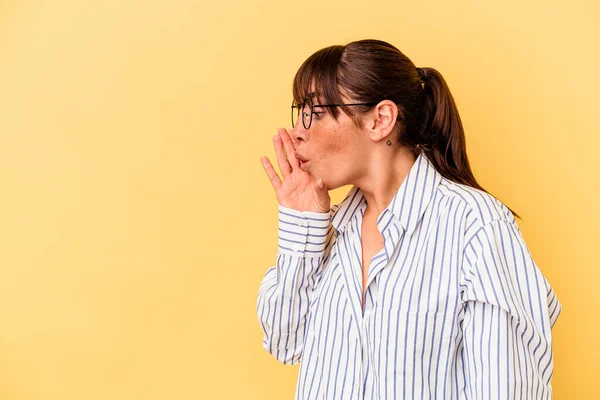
(137, 221)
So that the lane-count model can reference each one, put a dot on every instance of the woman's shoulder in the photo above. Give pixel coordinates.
(480, 206)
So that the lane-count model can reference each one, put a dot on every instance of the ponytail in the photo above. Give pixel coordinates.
(442, 135)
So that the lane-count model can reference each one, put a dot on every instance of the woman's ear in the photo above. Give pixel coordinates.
(382, 119)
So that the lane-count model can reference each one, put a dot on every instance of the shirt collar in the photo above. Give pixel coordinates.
(408, 204)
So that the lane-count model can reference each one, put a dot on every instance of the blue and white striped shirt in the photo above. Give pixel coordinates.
(455, 306)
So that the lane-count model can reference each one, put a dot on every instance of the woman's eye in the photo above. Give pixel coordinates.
(317, 114)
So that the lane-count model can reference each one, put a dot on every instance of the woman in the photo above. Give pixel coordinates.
(419, 283)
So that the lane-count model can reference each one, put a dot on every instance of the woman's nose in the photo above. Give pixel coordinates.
(297, 134)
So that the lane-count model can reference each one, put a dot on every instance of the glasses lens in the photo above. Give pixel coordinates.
(296, 110)
(306, 109)
(307, 112)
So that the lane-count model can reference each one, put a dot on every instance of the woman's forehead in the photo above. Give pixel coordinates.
(314, 91)
(314, 96)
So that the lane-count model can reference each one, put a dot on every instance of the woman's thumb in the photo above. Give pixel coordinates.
(321, 184)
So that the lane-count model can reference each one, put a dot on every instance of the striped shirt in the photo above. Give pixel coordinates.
(455, 306)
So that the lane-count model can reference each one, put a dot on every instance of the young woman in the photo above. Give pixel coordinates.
(418, 284)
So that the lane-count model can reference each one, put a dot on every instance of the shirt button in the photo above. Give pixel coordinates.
(297, 247)
(300, 223)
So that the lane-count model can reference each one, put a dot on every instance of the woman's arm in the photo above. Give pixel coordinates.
(509, 311)
(285, 291)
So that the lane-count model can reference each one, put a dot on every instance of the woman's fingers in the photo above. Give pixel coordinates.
(273, 177)
(284, 165)
(289, 148)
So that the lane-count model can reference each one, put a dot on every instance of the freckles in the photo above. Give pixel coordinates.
(333, 140)
(341, 141)
(333, 146)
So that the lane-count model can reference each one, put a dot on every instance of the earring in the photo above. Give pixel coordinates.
(388, 143)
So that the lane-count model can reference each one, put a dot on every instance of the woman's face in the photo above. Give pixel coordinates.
(333, 148)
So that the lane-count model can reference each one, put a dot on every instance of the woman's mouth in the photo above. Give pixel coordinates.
(303, 165)
(302, 161)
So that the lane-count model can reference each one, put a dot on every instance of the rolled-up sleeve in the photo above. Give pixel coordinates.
(509, 311)
(285, 291)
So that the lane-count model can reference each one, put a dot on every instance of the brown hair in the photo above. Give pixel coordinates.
(373, 70)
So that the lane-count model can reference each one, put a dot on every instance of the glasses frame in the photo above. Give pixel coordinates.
(311, 105)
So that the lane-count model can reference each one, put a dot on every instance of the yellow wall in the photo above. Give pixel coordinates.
(137, 221)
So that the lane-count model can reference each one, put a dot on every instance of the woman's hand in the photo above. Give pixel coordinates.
(298, 190)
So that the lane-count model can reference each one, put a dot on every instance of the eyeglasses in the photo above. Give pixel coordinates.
(307, 110)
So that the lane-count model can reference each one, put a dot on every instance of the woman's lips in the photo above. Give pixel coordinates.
(303, 161)
(299, 157)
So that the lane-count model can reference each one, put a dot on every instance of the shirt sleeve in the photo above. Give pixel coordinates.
(285, 291)
(509, 311)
